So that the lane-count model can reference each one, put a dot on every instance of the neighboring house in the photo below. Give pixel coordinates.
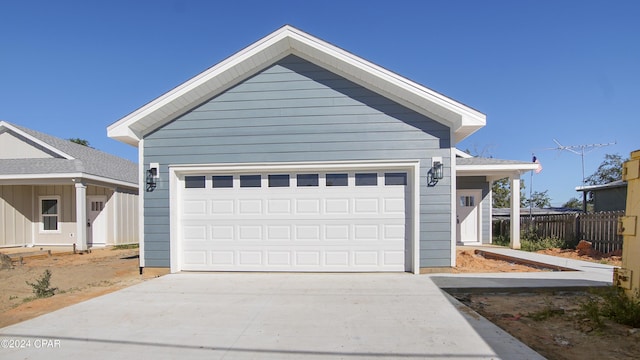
(296, 155)
(56, 192)
(607, 197)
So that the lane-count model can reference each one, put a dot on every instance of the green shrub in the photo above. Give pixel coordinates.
(42, 287)
(501, 240)
(541, 244)
(613, 304)
(531, 242)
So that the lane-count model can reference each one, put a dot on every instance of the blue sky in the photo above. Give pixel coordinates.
(539, 70)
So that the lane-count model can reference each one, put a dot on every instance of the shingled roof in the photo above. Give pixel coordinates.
(68, 158)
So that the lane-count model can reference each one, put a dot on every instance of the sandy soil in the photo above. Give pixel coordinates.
(81, 277)
(566, 334)
(78, 277)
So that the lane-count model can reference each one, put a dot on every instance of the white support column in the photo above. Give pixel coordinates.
(81, 216)
(514, 181)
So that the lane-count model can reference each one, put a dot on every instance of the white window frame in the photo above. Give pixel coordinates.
(42, 216)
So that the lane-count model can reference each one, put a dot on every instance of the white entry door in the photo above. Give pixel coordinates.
(468, 216)
(96, 220)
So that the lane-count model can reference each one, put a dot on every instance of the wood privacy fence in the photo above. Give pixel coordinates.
(598, 228)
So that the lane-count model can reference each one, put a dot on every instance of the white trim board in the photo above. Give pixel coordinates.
(413, 168)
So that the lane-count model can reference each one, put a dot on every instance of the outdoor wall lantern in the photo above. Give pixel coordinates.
(152, 175)
(436, 172)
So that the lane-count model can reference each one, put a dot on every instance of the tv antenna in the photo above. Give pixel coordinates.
(580, 150)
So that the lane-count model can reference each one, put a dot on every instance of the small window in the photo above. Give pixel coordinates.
(367, 179)
(97, 205)
(49, 214)
(337, 179)
(250, 180)
(194, 182)
(395, 178)
(467, 201)
(279, 180)
(307, 179)
(222, 181)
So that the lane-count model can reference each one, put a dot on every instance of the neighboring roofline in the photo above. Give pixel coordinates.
(35, 140)
(494, 169)
(611, 185)
(462, 154)
(290, 41)
(5, 178)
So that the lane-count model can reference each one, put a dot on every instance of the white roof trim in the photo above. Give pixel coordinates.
(4, 124)
(494, 169)
(462, 154)
(285, 41)
(44, 177)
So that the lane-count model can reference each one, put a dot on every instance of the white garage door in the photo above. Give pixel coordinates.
(312, 221)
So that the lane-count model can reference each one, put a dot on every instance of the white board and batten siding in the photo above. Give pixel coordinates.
(298, 113)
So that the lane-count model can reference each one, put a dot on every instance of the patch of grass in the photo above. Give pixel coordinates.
(125, 247)
(590, 310)
(531, 242)
(42, 286)
(532, 245)
(12, 297)
(614, 304)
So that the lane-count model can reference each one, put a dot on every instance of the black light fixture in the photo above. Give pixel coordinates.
(436, 172)
(152, 175)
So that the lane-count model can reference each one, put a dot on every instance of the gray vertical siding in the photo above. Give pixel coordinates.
(480, 182)
(297, 111)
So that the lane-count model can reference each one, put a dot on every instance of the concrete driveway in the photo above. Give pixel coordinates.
(266, 316)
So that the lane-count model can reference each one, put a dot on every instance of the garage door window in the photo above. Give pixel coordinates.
(278, 180)
(307, 179)
(250, 180)
(337, 179)
(194, 182)
(395, 179)
(367, 179)
(222, 181)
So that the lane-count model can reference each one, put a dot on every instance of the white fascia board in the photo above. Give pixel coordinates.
(56, 178)
(505, 169)
(284, 41)
(215, 79)
(36, 140)
(293, 166)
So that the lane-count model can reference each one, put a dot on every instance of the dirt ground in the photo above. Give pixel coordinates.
(81, 277)
(78, 277)
(566, 333)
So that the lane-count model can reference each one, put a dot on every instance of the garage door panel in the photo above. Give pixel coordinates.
(309, 228)
(222, 207)
(278, 206)
(249, 206)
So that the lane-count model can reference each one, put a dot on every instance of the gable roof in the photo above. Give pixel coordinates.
(69, 159)
(285, 41)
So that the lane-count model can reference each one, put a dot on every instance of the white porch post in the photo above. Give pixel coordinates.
(81, 216)
(514, 180)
